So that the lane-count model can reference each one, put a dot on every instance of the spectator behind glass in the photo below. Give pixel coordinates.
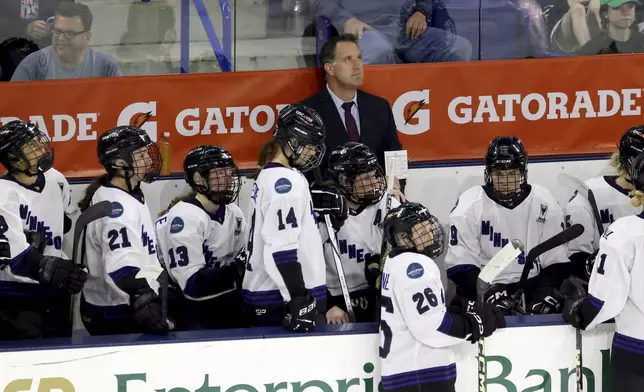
(27, 19)
(619, 32)
(391, 31)
(69, 57)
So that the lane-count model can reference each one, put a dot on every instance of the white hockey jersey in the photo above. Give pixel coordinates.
(69, 206)
(358, 239)
(282, 229)
(415, 348)
(615, 288)
(612, 202)
(30, 208)
(117, 246)
(479, 228)
(190, 239)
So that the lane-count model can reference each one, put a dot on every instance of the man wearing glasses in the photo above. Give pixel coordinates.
(69, 57)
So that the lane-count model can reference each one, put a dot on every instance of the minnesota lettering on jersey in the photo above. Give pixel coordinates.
(37, 226)
(353, 251)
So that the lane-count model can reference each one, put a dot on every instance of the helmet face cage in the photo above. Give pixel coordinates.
(24, 144)
(146, 163)
(506, 172)
(366, 188)
(410, 227)
(301, 130)
(355, 169)
(134, 147)
(221, 180)
(630, 146)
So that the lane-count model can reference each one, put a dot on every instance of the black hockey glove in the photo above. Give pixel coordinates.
(327, 200)
(36, 240)
(147, 311)
(484, 320)
(5, 252)
(240, 264)
(546, 300)
(574, 294)
(62, 274)
(302, 314)
(499, 296)
(372, 270)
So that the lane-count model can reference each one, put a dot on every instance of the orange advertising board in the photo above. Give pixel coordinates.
(446, 111)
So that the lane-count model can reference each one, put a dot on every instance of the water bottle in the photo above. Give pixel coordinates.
(165, 148)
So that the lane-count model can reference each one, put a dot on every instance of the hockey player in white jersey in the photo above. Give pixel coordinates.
(416, 330)
(355, 171)
(486, 217)
(202, 241)
(35, 282)
(613, 292)
(118, 247)
(611, 195)
(285, 260)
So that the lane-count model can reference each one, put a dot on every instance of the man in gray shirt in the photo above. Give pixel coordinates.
(69, 57)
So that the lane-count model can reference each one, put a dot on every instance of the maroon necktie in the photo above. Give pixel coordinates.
(350, 122)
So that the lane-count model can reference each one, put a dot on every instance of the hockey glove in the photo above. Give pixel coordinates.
(484, 320)
(372, 270)
(62, 274)
(240, 264)
(302, 314)
(5, 252)
(327, 200)
(147, 311)
(546, 300)
(36, 240)
(574, 294)
(499, 296)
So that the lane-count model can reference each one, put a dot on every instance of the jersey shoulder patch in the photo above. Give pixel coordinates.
(117, 210)
(415, 271)
(177, 225)
(283, 185)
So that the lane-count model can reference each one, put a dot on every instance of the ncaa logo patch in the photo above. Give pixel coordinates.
(176, 226)
(415, 271)
(283, 185)
(117, 209)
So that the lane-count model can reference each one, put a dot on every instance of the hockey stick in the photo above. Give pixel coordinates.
(336, 256)
(583, 189)
(94, 212)
(492, 269)
(559, 239)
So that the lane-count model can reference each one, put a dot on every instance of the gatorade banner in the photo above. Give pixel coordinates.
(443, 111)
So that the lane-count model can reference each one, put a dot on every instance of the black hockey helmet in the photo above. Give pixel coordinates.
(506, 153)
(299, 126)
(637, 172)
(402, 231)
(222, 186)
(134, 147)
(22, 141)
(630, 146)
(355, 170)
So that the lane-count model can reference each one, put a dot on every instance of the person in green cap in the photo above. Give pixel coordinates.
(619, 33)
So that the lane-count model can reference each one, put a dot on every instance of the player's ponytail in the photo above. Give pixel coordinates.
(90, 190)
(267, 153)
(176, 200)
(637, 198)
(617, 164)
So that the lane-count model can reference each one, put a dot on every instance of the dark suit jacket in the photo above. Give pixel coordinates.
(377, 125)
